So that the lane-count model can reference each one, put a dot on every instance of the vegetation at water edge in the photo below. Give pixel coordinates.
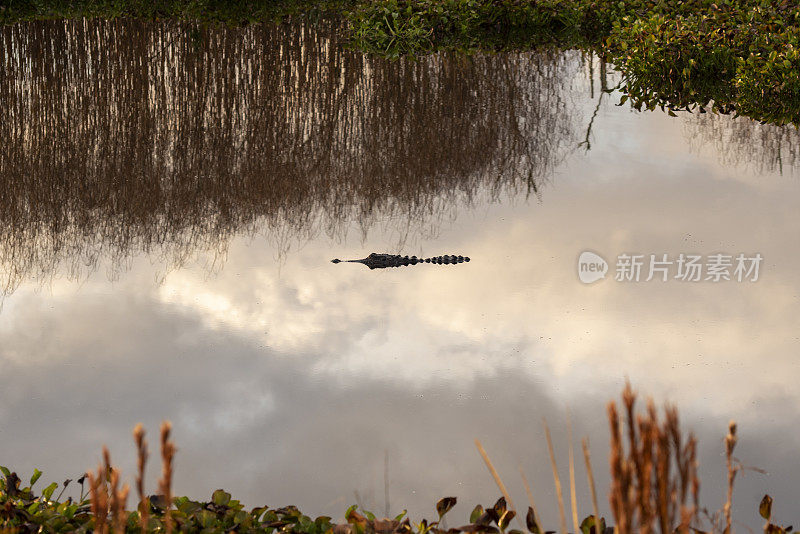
(720, 55)
(724, 56)
(654, 486)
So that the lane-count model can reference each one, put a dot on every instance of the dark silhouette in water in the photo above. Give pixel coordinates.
(382, 261)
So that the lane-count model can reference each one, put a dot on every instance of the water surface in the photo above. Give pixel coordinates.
(171, 197)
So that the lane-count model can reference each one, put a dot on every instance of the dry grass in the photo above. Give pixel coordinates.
(108, 499)
(556, 479)
(590, 477)
(529, 492)
(645, 492)
(654, 483)
(653, 466)
(165, 484)
(730, 444)
(142, 454)
(496, 476)
(572, 497)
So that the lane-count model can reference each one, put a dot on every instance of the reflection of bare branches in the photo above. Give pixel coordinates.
(745, 142)
(587, 140)
(124, 137)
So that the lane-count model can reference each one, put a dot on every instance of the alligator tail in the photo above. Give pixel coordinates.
(403, 261)
(446, 260)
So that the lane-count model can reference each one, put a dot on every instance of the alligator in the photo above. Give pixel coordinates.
(382, 261)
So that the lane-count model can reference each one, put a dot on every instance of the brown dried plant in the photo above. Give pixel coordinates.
(142, 454)
(165, 484)
(496, 476)
(98, 494)
(529, 492)
(572, 497)
(119, 497)
(106, 497)
(730, 444)
(590, 478)
(556, 479)
(651, 477)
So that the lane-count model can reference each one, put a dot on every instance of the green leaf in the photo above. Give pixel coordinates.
(48, 491)
(5, 471)
(590, 525)
(765, 508)
(400, 516)
(350, 512)
(35, 477)
(323, 523)
(476, 513)
(207, 519)
(221, 497)
(188, 507)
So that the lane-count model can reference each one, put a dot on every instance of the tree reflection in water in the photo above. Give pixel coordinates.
(126, 137)
(742, 142)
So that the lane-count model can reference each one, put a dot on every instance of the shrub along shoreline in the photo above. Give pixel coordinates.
(718, 55)
(724, 56)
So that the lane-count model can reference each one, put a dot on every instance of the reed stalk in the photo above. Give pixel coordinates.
(590, 478)
(496, 477)
(556, 479)
(530, 497)
(165, 484)
(142, 454)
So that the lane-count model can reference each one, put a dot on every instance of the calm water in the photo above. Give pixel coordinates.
(170, 199)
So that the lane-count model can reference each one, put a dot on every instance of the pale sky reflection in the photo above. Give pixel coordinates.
(287, 380)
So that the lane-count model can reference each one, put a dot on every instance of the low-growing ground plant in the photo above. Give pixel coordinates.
(654, 486)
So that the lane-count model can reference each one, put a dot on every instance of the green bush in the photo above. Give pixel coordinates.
(728, 56)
